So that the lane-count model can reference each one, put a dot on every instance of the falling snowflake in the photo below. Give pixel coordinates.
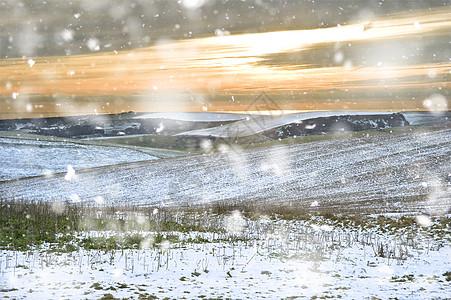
(314, 204)
(70, 175)
(31, 62)
(99, 200)
(58, 207)
(436, 104)
(75, 198)
(235, 223)
(423, 220)
(160, 128)
(93, 44)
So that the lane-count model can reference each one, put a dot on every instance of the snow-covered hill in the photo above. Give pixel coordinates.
(381, 172)
(32, 156)
(260, 123)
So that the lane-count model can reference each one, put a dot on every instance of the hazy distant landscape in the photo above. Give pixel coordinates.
(203, 149)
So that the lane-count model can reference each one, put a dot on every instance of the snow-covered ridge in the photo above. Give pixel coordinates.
(254, 124)
(260, 123)
(196, 123)
(114, 125)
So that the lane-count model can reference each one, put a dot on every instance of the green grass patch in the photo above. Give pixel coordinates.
(447, 275)
(26, 224)
(66, 227)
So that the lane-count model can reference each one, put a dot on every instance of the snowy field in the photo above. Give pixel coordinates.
(26, 157)
(266, 258)
(249, 257)
(380, 172)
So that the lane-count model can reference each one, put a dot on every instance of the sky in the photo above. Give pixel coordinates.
(61, 59)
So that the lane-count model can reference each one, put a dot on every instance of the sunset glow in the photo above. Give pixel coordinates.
(170, 74)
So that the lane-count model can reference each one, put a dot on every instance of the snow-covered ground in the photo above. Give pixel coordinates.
(271, 259)
(263, 258)
(381, 172)
(25, 157)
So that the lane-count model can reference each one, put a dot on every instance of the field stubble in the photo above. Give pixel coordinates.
(313, 253)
